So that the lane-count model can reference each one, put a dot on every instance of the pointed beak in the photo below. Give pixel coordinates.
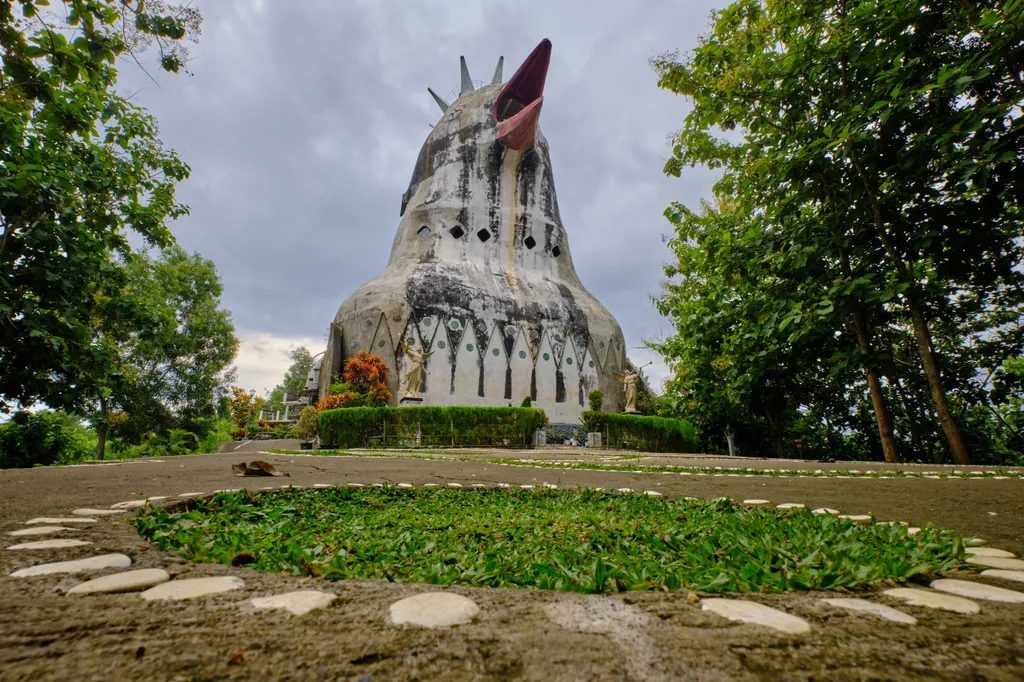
(517, 109)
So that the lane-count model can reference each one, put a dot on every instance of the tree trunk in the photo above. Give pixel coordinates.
(931, 372)
(921, 332)
(101, 430)
(882, 414)
(780, 444)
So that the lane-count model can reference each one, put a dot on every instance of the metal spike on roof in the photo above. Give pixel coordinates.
(497, 72)
(440, 102)
(467, 82)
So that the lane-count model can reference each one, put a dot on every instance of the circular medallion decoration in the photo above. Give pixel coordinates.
(441, 344)
(568, 361)
(580, 341)
(469, 346)
(602, 344)
(454, 324)
(535, 335)
(522, 354)
(591, 363)
(354, 345)
(427, 321)
(380, 344)
(559, 338)
(411, 341)
(546, 357)
(495, 352)
(369, 323)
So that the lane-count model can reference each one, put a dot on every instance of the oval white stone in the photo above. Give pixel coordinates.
(790, 505)
(56, 543)
(434, 610)
(756, 503)
(97, 512)
(756, 614)
(454, 485)
(652, 493)
(129, 581)
(42, 530)
(859, 519)
(933, 600)
(990, 551)
(965, 588)
(825, 510)
(1017, 576)
(623, 490)
(881, 610)
(297, 603)
(59, 519)
(997, 562)
(193, 587)
(94, 563)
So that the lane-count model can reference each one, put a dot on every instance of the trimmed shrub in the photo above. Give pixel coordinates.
(635, 432)
(355, 427)
(595, 399)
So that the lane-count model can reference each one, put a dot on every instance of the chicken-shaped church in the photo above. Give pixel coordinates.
(480, 289)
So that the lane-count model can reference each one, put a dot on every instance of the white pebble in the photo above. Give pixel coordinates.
(756, 614)
(965, 588)
(56, 543)
(933, 600)
(434, 610)
(193, 587)
(296, 603)
(129, 581)
(95, 563)
(881, 610)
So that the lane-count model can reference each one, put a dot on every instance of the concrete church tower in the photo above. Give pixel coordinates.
(480, 274)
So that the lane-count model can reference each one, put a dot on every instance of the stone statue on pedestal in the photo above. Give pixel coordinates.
(628, 379)
(411, 379)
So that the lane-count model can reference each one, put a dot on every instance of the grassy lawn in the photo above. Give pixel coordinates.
(560, 540)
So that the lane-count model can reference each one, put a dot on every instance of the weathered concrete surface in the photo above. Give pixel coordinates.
(481, 275)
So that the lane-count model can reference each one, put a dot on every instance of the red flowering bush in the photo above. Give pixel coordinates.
(331, 402)
(368, 374)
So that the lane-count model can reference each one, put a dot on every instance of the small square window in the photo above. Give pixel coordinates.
(530, 242)
(456, 232)
(423, 232)
(556, 252)
(483, 234)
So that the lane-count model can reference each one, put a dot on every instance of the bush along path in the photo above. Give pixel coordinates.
(725, 556)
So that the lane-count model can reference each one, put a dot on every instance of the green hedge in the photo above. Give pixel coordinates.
(635, 432)
(354, 427)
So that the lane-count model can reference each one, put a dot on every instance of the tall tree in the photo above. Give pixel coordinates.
(81, 168)
(886, 131)
(168, 369)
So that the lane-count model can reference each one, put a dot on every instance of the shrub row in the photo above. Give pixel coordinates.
(635, 432)
(354, 427)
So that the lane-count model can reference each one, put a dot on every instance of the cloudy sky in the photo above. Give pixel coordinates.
(302, 119)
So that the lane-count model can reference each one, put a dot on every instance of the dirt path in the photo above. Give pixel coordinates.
(520, 634)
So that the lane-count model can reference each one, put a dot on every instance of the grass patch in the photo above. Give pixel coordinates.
(583, 541)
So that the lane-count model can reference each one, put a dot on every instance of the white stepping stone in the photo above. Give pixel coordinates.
(964, 588)
(504, 485)
(130, 504)
(41, 530)
(129, 581)
(405, 485)
(95, 563)
(756, 614)
(355, 485)
(97, 512)
(757, 503)
(191, 494)
(623, 490)
(825, 510)
(913, 530)
(193, 587)
(880, 610)
(990, 551)
(296, 603)
(859, 519)
(790, 505)
(1017, 576)
(56, 543)
(49, 520)
(526, 487)
(321, 485)
(434, 610)
(426, 485)
(454, 485)
(997, 562)
(933, 600)
(479, 485)
(652, 493)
